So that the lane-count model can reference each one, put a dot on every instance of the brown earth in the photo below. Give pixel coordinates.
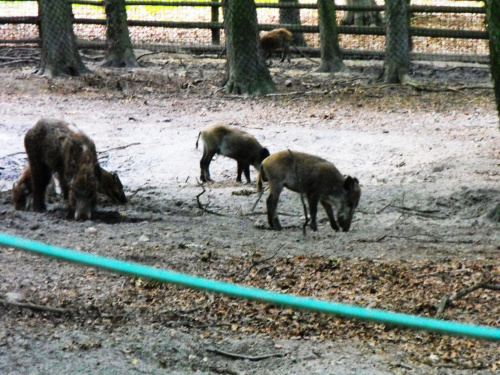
(428, 162)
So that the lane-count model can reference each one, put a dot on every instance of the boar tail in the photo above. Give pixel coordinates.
(197, 139)
(260, 179)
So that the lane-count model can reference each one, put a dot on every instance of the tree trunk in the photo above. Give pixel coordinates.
(396, 63)
(120, 53)
(493, 17)
(364, 17)
(60, 56)
(291, 16)
(247, 70)
(331, 59)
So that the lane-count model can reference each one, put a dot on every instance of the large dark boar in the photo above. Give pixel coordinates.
(315, 177)
(274, 40)
(233, 143)
(22, 191)
(56, 147)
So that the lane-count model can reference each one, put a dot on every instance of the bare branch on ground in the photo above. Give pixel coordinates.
(447, 300)
(241, 356)
(33, 306)
(119, 147)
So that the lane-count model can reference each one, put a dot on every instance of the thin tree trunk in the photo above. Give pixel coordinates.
(247, 71)
(331, 58)
(120, 53)
(396, 63)
(493, 17)
(291, 16)
(60, 56)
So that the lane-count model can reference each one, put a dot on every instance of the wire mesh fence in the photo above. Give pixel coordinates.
(445, 27)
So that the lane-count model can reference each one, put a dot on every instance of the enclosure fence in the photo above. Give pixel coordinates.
(428, 32)
(282, 299)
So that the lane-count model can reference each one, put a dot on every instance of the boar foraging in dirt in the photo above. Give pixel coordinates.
(112, 187)
(56, 147)
(21, 191)
(233, 143)
(276, 39)
(315, 177)
(22, 197)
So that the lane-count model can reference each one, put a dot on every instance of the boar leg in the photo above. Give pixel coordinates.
(63, 184)
(41, 175)
(205, 164)
(246, 170)
(243, 168)
(240, 171)
(272, 208)
(285, 54)
(329, 211)
(313, 209)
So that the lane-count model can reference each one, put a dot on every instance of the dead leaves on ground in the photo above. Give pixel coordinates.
(408, 287)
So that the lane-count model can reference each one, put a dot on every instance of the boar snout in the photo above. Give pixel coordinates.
(351, 201)
(344, 222)
(83, 211)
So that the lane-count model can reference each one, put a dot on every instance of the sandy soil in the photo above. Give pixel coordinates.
(428, 162)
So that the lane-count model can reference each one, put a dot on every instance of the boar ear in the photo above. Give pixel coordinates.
(350, 183)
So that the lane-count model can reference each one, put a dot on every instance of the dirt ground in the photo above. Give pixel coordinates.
(428, 162)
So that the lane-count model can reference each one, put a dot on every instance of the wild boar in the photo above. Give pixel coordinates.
(276, 39)
(112, 187)
(57, 147)
(315, 177)
(22, 191)
(233, 143)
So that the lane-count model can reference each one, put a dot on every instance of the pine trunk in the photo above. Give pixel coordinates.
(60, 56)
(291, 16)
(362, 18)
(120, 53)
(396, 63)
(331, 58)
(247, 71)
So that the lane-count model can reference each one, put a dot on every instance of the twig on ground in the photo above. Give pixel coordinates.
(416, 211)
(257, 262)
(241, 356)
(148, 54)
(446, 300)
(119, 147)
(385, 207)
(33, 306)
(259, 197)
(265, 213)
(182, 312)
(13, 154)
(286, 93)
(135, 192)
(372, 240)
(205, 208)
(17, 62)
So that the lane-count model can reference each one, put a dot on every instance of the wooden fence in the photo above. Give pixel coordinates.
(216, 26)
